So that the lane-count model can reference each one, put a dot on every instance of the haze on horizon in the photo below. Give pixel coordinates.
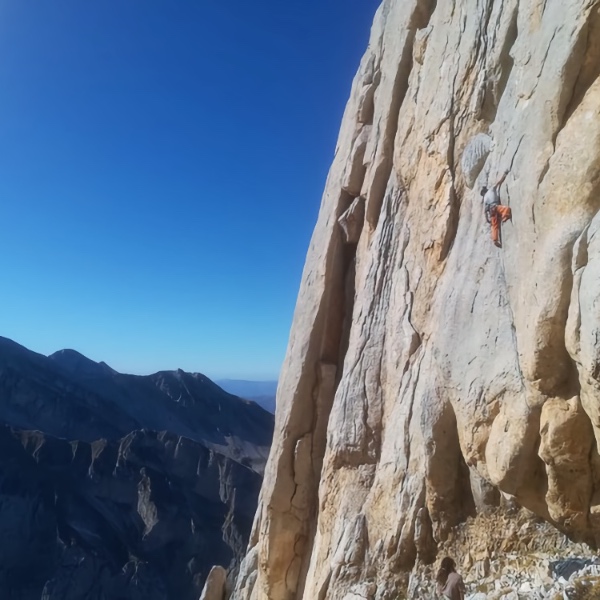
(163, 165)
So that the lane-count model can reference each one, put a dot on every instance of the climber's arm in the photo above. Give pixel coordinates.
(501, 180)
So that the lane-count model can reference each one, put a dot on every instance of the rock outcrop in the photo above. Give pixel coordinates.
(430, 375)
(214, 588)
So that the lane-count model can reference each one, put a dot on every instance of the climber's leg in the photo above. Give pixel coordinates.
(505, 212)
(495, 224)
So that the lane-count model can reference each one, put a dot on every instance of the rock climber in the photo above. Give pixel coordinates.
(494, 211)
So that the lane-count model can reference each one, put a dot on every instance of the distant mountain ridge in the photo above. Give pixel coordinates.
(69, 396)
(261, 392)
(78, 363)
(121, 486)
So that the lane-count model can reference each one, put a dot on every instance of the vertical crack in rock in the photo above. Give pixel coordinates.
(501, 71)
(453, 200)
(449, 496)
(382, 165)
(361, 445)
(589, 69)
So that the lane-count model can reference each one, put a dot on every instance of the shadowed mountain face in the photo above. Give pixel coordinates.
(69, 396)
(115, 510)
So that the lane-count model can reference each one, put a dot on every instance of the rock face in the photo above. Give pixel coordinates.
(119, 512)
(428, 371)
(143, 517)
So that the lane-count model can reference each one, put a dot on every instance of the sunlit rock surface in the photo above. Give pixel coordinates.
(429, 371)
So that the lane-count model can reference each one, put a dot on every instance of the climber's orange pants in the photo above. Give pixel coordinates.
(498, 213)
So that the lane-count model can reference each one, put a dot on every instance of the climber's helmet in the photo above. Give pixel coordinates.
(483, 191)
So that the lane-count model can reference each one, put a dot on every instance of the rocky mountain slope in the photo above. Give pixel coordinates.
(429, 373)
(70, 396)
(142, 517)
(96, 504)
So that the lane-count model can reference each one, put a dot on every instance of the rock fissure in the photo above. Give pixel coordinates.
(418, 19)
(589, 65)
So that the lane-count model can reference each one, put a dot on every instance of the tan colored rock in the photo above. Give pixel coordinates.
(214, 587)
(354, 174)
(431, 376)
(352, 220)
(566, 442)
(474, 156)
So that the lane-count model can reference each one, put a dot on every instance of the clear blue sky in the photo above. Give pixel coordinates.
(161, 168)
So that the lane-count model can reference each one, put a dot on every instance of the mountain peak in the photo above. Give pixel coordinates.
(75, 362)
